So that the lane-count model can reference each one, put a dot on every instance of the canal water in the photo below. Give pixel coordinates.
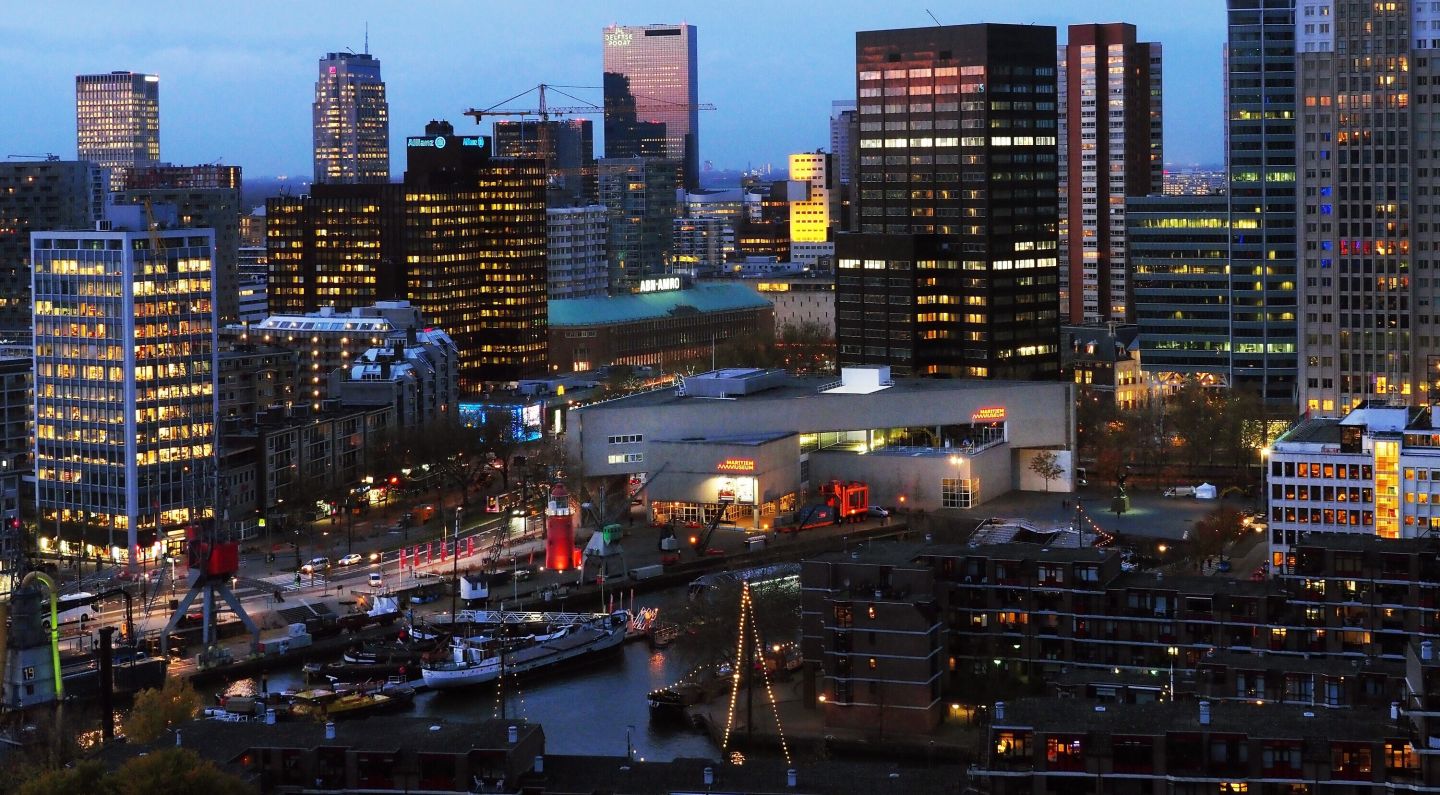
(583, 709)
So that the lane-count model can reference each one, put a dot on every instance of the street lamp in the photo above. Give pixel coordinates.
(1174, 652)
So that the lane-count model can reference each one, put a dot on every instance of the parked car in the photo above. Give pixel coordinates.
(315, 564)
(877, 512)
(1223, 566)
(376, 580)
(351, 559)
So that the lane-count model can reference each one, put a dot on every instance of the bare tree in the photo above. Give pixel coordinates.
(1046, 466)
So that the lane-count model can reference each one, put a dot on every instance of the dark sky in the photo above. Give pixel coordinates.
(236, 78)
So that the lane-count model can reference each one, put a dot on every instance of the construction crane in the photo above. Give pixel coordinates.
(546, 110)
(48, 157)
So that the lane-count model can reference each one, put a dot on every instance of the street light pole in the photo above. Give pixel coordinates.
(454, 565)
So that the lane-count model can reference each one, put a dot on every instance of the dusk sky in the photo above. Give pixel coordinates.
(236, 79)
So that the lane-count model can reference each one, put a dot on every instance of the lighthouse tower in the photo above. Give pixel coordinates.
(559, 531)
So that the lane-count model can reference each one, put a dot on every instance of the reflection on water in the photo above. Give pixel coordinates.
(584, 710)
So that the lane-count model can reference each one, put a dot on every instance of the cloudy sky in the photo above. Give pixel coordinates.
(236, 78)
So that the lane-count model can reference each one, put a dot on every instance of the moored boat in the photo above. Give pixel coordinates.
(478, 662)
(669, 703)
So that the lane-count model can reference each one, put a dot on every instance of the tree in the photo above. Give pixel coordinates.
(807, 348)
(175, 771)
(455, 451)
(1214, 531)
(1045, 465)
(83, 778)
(157, 710)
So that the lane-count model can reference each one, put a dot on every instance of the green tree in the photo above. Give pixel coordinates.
(83, 778)
(157, 710)
(1046, 466)
(174, 771)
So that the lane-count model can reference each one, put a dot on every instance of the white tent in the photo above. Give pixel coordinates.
(1204, 491)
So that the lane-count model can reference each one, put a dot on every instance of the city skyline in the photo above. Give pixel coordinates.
(257, 67)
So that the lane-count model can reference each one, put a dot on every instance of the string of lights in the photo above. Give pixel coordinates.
(747, 617)
(739, 665)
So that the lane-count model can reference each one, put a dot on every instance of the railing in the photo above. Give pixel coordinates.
(509, 617)
(963, 450)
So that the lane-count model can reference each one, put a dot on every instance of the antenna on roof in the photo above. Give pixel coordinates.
(932, 16)
(367, 37)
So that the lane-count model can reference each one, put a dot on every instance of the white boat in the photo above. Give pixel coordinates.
(475, 663)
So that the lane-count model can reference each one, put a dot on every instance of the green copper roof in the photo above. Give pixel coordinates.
(647, 306)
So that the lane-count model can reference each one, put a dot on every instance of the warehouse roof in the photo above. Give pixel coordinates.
(650, 306)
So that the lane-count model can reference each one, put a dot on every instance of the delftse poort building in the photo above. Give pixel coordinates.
(763, 442)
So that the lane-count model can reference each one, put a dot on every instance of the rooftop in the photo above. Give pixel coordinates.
(885, 553)
(375, 325)
(1266, 721)
(614, 310)
(791, 387)
(1360, 542)
(1020, 550)
(224, 741)
(1318, 430)
(1311, 664)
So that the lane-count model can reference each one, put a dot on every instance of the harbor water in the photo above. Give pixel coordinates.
(584, 708)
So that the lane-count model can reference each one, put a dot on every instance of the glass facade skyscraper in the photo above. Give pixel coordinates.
(568, 149)
(1178, 250)
(125, 373)
(651, 79)
(954, 270)
(352, 120)
(117, 121)
(1260, 138)
(639, 198)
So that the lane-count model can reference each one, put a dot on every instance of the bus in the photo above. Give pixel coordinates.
(505, 500)
(81, 607)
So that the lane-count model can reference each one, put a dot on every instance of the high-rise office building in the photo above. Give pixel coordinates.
(568, 149)
(1366, 137)
(45, 194)
(1110, 148)
(1179, 276)
(475, 252)
(639, 197)
(342, 246)
(217, 209)
(842, 115)
(164, 175)
(575, 252)
(352, 120)
(955, 273)
(812, 236)
(117, 121)
(651, 79)
(125, 375)
(462, 238)
(843, 128)
(1260, 136)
